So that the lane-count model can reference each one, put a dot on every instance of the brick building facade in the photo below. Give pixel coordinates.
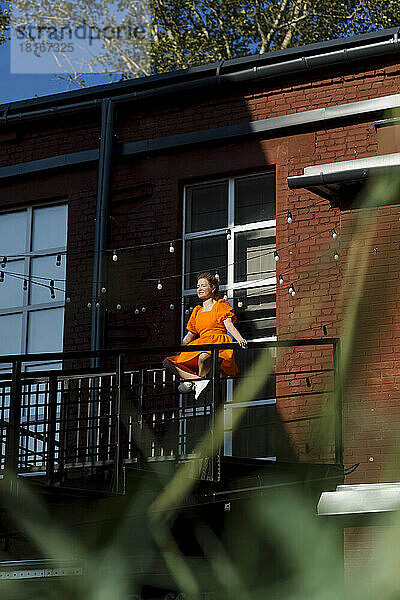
(128, 157)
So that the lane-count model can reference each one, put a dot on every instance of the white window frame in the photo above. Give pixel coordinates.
(26, 308)
(230, 286)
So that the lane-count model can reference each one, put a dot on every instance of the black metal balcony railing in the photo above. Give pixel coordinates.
(84, 426)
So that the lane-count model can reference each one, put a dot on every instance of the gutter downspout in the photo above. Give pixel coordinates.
(101, 230)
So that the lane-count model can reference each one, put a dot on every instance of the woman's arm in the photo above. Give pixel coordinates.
(229, 326)
(188, 338)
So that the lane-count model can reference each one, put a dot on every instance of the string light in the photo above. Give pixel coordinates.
(119, 307)
(137, 311)
(58, 260)
(325, 330)
(216, 275)
(263, 254)
(334, 234)
(289, 217)
(25, 286)
(52, 292)
(67, 299)
(4, 262)
(89, 305)
(143, 309)
(291, 290)
(228, 235)
(187, 311)
(240, 304)
(1, 276)
(159, 285)
(97, 304)
(115, 256)
(171, 247)
(280, 278)
(336, 255)
(103, 290)
(171, 306)
(308, 382)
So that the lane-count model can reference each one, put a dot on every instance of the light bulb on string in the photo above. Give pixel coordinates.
(171, 306)
(216, 276)
(143, 309)
(225, 297)
(187, 311)
(336, 255)
(280, 279)
(1, 276)
(159, 285)
(103, 290)
(276, 256)
(67, 299)
(289, 217)
(97, 305)
(172, 248)
(52, 292)
(118, 307)
(4, 262)
(115, 256)
(89, 305)
(291, 288)
(240, 304)
(334, 234)
(25, 286)
(58, 260)
(228, 234)
(137, 311)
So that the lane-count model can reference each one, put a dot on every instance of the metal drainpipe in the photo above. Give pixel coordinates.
(100, 243)
(101, 230)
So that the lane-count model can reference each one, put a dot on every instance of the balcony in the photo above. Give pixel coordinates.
(108, 416)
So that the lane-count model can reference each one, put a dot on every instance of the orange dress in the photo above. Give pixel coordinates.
(209, 326)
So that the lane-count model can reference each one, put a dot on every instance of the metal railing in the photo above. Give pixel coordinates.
(85, 427)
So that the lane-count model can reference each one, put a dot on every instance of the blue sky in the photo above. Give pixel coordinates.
(20, 87)
(24, 86)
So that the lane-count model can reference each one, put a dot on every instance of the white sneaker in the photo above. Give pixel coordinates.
(200, 386)
(186, 386)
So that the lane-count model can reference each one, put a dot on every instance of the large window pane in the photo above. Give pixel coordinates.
(205, 254)
(12, 233)
(207, 207)
(255, 199)
(256, 312)
(11, 289)
(45, 266)
(45, 330)
(49, 228)
(11, 332)
(254, 254)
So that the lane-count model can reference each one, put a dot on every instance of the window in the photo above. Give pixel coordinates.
(34, 241)
(230, 229)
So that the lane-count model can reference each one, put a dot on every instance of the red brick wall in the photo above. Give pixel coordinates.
(147, 208)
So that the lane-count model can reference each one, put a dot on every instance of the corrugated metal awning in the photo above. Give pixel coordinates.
(360, 499)
(342, 180)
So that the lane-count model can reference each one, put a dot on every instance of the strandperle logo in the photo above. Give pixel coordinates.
(81, 37)
(33, 33)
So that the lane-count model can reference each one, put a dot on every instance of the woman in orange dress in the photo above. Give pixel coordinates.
(210, 322)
